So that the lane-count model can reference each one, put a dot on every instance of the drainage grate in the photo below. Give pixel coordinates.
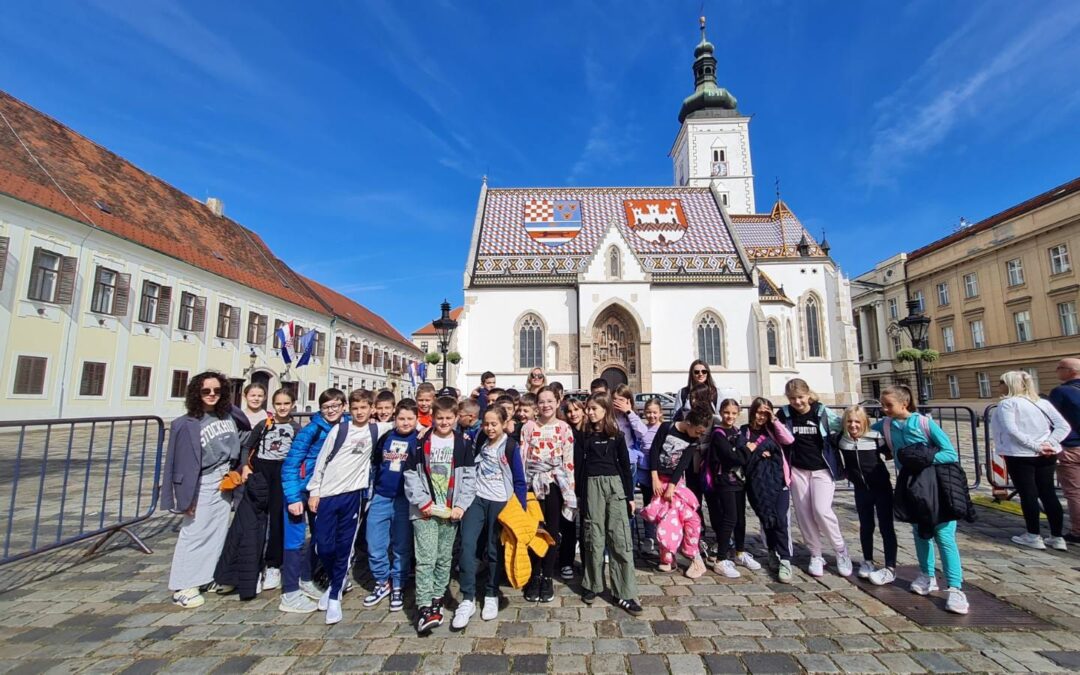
(986, 611)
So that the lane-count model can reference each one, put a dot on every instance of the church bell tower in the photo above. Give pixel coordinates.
(713, 145)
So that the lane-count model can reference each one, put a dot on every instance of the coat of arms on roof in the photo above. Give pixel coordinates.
(552, 222)
(660, 221)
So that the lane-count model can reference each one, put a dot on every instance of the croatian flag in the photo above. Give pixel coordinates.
(285, 337)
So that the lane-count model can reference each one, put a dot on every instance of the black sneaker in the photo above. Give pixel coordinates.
(631, 607)
(588, 597)
(425, 621)
(532, 590)
(435, 612)
(397, 600)
(547, 590)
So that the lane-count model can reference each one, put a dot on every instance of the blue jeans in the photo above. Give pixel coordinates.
(388, 528)
(299, 556)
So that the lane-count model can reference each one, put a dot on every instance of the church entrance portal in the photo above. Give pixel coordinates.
(614, 377)
(615, 348)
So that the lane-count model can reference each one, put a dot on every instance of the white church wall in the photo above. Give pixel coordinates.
(490, 338)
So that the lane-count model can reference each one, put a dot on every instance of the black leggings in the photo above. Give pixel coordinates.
(551, 505)
(275, 525)
(877, 497)
(1033, 478)
(727, 510)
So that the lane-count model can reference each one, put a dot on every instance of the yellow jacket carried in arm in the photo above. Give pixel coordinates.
(522, 531)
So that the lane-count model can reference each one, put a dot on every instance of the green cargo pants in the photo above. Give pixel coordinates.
(607, 526)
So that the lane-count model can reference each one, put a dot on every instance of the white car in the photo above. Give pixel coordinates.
(667, 403)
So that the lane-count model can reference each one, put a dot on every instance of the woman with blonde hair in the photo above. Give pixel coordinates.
(1027, 432)
(537, 381)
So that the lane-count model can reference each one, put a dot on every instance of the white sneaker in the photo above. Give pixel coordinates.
(296, 603)
(189, 598)
(491, 608)
(463, 613)
(957, 602)
(924, 585)
(866, 569)
(271, 578)
(324, 600)
(1030, 540)
(726, 568)
(843, 564)
(817, 566)
(882, 577)
(333, 612)
(747, 561)
(1056, 543)
(567, 573)
(311, 589)
(259, 585)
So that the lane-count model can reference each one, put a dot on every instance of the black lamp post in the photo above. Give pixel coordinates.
(444, 329)
(917, 325)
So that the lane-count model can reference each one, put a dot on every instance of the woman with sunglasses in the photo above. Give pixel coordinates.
(203, 445)
(699, 375)
(537, 381)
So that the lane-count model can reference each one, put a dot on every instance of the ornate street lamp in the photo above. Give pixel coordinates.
(444, 329)
(252, 358)
(917, 325)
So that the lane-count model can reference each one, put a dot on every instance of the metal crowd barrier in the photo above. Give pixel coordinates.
(68, 480)
(997, 473)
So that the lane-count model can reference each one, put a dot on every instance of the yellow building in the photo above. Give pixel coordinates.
(1002, 294)
(116, 288)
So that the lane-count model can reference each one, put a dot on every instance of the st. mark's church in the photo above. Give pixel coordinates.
(633, 283)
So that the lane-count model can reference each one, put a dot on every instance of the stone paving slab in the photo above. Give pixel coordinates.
(111, 613)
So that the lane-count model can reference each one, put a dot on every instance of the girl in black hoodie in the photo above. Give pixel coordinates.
(725, 492)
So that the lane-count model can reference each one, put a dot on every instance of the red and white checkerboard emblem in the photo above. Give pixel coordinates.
(552, 222)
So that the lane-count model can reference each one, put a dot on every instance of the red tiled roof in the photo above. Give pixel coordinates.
(349, 310)
(142, 209)
(1020, 209)
(429, 329)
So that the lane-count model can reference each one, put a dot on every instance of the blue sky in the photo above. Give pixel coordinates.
(353, 135)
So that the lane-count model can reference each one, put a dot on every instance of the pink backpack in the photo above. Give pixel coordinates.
(924, 424)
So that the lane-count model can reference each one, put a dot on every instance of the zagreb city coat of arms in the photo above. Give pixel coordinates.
(660, 221)
(552, 222)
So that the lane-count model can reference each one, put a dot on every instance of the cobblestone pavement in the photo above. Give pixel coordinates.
(62, 613)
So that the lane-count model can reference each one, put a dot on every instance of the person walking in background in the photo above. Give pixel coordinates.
(203, 444)
(1027, 431)
(1066, 398)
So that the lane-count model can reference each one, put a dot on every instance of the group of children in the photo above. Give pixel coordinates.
(418, 486)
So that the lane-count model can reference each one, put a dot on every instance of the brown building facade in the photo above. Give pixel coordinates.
(1003, 294)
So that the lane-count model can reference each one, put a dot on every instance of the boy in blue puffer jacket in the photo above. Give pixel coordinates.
(299, 592)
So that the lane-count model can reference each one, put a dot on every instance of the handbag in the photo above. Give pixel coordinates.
(234, 479)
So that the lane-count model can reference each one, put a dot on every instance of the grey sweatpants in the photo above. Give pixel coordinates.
(201, 537)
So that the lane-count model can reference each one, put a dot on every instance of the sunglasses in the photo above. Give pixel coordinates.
(701, 372)
(537, 376)
(216, 391)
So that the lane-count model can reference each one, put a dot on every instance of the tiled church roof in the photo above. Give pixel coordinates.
(506, 253)
(760, 233)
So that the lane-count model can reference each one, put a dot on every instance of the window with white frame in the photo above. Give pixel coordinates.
(92, 382)
(929, 384)
(1022, 320)
(978, 334)
(710, 340)
(1067, 318)
(920, 301)
(530, 342)
(30, 375)
(192, 312)
(1059, 259)
(1014, 271)
(954, 386)
(155, 302)
(894, 309)
(948, 339)
(108, 288)
(984, 384)
(44, 276)
(971, 285)
(943, 293)
(140, 382)
(812, 319)
(228, 323)
(895, 344)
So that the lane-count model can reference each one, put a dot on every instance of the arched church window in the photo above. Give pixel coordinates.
(812, 317)
(710, 340)
(614, 263)
(772, 337)
(719, 155)
(530, 343)
(789, 344)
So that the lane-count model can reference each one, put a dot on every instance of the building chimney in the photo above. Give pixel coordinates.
(216, 205)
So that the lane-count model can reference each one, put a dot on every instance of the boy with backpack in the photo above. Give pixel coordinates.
(337, 492)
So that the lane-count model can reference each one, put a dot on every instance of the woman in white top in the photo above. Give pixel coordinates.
(1027, 431)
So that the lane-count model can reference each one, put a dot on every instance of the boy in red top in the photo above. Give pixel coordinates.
(425, 397)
